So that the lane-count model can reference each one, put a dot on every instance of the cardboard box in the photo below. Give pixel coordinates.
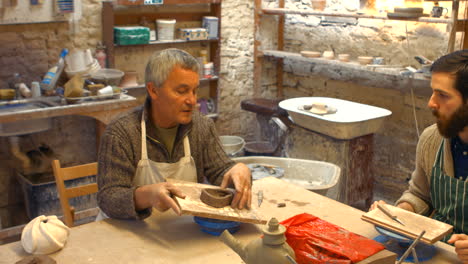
(193, 33)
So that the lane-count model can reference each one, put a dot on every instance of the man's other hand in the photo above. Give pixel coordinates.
(460, 242)
(159, 196)
(239, 176)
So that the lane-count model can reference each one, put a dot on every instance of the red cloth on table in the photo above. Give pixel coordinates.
(317, 241)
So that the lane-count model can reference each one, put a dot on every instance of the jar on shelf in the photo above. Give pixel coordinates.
(204, 55)
(208, 70)
(101, 55)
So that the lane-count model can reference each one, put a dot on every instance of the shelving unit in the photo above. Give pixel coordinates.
(119, 15)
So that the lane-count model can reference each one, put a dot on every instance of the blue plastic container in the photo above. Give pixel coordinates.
(215, 227)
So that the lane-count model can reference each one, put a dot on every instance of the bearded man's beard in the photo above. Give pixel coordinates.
(450, 127)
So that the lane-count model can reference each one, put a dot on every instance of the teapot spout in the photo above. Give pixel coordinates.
(233, 243)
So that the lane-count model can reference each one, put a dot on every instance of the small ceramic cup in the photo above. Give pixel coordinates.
(106, 90)
(329, 55)
(364, 60)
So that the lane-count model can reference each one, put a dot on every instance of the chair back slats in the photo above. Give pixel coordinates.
(79, 171)
(70, 173)
(81, 190)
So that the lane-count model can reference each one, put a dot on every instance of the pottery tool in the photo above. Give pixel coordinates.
(260, 197)
(389, 214)
(410, 249)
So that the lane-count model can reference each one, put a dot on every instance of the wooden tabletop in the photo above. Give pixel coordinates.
(167, 238)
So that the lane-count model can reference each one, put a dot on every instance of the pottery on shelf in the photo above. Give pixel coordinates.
(311, 54)
(364, 60)
(129, 79)
(344, 57)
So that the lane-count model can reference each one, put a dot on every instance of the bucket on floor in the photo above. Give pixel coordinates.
(259, 148)
(233, 145)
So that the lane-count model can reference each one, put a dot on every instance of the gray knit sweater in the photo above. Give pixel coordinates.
(120, 151)
(419, 192)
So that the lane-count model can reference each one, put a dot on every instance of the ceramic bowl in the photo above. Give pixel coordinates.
(329, 55)
(364, 60)
(311, 54)
(216, 197)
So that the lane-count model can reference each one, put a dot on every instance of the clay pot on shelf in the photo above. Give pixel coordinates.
(129, 79)
(319, 5)
(344, 57)
(329, 55)
(311, 54)
(364, 60)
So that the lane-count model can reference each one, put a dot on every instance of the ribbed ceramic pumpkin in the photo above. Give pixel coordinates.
(44, 235)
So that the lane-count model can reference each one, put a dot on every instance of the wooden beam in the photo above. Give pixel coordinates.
(453, 29)
(108, 31)
(279, 63)
(258, 60)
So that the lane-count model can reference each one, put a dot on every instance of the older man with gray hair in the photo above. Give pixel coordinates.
(165, 138)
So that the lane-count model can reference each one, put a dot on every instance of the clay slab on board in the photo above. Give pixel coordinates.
(192, 205)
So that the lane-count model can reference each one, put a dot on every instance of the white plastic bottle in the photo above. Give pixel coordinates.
(51, 77)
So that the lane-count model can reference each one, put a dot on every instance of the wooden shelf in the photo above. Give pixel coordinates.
(176, 2)
(366, 75)
(175, 41)
(285, 11)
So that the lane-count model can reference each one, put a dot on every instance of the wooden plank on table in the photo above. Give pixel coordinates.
(414, 224)
(192, 205)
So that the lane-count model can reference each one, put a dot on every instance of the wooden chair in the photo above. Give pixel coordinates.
(70, 173)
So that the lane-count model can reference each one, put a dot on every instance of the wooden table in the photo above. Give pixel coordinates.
(166, 238)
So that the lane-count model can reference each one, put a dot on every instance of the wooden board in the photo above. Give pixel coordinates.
(192, 205)
(414, 224)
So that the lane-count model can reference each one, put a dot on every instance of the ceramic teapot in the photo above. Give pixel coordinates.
(270, 249)
(44, 235)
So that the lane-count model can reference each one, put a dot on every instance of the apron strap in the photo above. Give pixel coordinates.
(144, 152)
(439, 159)
(186, 147)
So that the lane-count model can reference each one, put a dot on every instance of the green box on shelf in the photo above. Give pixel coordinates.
(131, 35)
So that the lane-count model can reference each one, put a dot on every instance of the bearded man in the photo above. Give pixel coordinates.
(438, 185)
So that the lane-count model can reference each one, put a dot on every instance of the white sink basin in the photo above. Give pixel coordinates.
(350, 121)
(24, 127)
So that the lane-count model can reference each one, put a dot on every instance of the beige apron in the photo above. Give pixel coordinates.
(149, 172)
